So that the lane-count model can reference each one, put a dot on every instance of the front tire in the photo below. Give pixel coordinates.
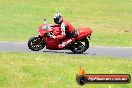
(36, 43)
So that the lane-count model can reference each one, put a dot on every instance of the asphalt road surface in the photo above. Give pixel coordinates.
(92, 51)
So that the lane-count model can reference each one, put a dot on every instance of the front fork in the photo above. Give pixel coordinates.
(38, 36)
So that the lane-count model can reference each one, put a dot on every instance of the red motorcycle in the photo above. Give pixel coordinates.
(79, 45)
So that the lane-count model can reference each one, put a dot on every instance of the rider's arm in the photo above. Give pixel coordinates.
(63, 34)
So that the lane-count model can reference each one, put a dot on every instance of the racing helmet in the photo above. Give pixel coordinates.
(58, 18)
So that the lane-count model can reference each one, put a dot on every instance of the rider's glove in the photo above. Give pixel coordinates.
(52, 36)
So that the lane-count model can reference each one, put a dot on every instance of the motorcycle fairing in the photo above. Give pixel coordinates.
(83, 32)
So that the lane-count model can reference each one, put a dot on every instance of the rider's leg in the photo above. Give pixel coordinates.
(66, 42)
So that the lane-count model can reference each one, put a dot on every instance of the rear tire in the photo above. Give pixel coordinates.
(86, 44)
(36, 43)
(78, 47)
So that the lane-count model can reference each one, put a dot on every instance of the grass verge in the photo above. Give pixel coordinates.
(33, 70)
(110, 20)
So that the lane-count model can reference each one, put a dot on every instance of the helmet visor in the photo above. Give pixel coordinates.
(56, 20)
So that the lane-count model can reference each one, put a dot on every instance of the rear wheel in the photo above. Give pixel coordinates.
(80, 46)
(85, 43)
(36, 43)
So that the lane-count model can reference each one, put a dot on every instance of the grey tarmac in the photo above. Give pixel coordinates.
(123, 52)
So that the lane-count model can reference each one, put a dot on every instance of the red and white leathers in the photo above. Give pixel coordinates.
(67, 33)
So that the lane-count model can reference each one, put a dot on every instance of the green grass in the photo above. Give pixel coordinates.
(110, 20)
(32, 70)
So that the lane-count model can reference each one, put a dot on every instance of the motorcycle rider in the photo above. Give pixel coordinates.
(68, 32)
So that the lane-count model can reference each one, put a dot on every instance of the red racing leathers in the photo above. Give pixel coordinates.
(67, 33)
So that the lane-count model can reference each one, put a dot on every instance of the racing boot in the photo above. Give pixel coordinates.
(66, 42)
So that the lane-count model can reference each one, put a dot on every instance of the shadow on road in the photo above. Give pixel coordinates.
(67, 52)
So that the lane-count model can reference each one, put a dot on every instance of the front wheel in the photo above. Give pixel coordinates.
(80, 46)
(36, 43)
